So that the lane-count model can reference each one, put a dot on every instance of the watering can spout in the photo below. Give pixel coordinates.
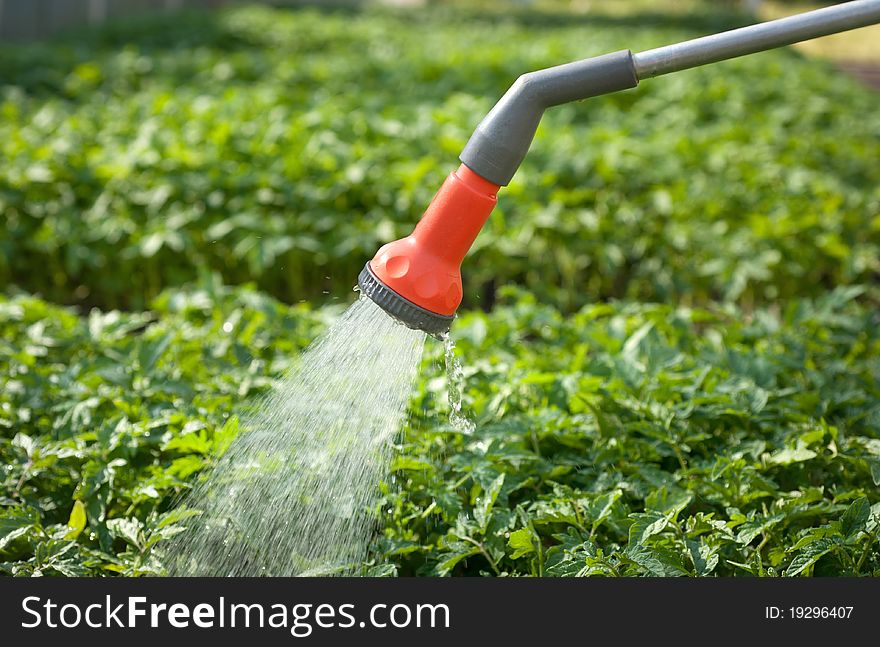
(417, 279)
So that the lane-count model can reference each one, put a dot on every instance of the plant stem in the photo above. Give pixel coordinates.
(872, 537)
(764, 539)
(24, 472)
(485, 554)
(539, 549)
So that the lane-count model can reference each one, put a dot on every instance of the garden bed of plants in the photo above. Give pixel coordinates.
(623, 439)
(284, 147)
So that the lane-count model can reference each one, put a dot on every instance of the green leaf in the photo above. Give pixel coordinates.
(175, 516)
(16, 518)
(521, 543)
(77, 520)
(401, 463)
(704, 558)
(634, 342)
(602, 506)
(855, 517)
(808, 556)
(789, 456)
(670, 501)
(816, 534)
(151, 351)
(645, 526)
(874, 466)
(749, 530)
(657, 561)
(128, 530)
(18, 528)
(485, 502)
(450, 560)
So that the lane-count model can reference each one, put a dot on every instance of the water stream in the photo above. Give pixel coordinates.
(458, 417)
(292, 494)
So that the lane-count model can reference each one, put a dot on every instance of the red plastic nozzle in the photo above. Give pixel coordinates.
(424, 267)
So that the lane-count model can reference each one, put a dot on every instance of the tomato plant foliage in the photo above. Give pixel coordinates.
(622, 440)
(284, 147)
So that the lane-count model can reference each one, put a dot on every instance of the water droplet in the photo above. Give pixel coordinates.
(227, 326)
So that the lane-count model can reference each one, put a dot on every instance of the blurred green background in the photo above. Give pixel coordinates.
(284, 148)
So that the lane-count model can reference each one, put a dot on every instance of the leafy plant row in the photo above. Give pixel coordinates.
(623, 440)
(283, 147)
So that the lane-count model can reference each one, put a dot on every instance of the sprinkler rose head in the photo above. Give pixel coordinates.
(400, 308)
(417, 279)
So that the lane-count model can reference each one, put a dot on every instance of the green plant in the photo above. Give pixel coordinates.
(623, 440)
(283, 147)
(650, 440)
(104, 420)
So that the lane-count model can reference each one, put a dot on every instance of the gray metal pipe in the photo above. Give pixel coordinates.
(756, 38)
(502, 139)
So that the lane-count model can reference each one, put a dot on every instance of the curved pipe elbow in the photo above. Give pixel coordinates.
(529, 89)
(502, 139)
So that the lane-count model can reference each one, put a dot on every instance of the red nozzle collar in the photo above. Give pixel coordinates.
(424, 267)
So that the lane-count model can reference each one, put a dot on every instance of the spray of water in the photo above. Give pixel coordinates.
(458, 417)
(292, 494)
